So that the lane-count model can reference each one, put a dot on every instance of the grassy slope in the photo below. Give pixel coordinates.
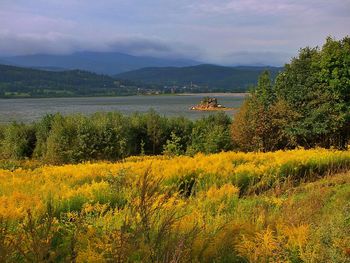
(153, 209)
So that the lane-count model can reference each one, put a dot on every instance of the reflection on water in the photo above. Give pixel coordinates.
(27, 110)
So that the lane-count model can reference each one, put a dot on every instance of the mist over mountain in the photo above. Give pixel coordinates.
(110, 63)
(4, 62)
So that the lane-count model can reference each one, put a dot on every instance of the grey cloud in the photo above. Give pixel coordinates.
(154, 47)
(52, 43)
(139, 46)
(213, 31)
(256, 58)
(56, 43)
(269, 7)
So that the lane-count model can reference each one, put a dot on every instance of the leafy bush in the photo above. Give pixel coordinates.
(57, 139)
(211, 134)
(18, 141)
(307, 106)
(173, 146)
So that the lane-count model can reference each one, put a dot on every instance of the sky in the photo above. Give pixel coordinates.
(228, 32)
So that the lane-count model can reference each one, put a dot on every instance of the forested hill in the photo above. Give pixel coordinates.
(25, 82)
(28, 82)
(212, 76)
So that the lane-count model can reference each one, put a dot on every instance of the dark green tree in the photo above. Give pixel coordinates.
(155, 131)
(211, 134)
(264, 91)
(316, 85)
(18, 141)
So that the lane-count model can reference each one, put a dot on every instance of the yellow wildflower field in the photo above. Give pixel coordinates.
(225, 207)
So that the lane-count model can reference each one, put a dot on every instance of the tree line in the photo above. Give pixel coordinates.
(308, 105)
(111, 136)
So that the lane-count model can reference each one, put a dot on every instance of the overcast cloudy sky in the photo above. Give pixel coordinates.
(216, 31)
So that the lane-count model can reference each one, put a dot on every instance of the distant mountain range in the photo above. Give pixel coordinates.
(109, 63)
(213, 76)
(47, 76)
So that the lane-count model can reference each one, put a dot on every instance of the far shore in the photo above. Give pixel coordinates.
(215, 109)
(214, 94)
(221, 94)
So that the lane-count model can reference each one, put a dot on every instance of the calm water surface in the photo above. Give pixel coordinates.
(27, 110)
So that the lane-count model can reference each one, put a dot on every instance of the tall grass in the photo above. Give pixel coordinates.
(226, 207)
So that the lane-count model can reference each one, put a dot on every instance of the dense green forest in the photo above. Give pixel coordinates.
(208, 77)
(26, 82)
(308, 105)
(112, 136)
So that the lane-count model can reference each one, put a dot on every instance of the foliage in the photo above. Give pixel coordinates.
(264, 90)
(173, 146)
(307, 106)
(26, 82)
(211, 134)
(256, 128)
(18, 141)
(57, 139)
(132, 211)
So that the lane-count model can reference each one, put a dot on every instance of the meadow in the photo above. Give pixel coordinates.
(283, 206)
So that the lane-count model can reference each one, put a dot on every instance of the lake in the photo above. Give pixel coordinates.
(28, 110)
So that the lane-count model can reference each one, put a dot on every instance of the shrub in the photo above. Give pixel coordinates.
(18, 141)
(60, 140)
(173, 146)
(42, 132)
(211, 134)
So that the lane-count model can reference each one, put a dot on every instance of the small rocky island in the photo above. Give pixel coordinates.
(208, 104)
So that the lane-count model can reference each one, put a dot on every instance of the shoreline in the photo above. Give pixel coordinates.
(216, 109)
(214, 94)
